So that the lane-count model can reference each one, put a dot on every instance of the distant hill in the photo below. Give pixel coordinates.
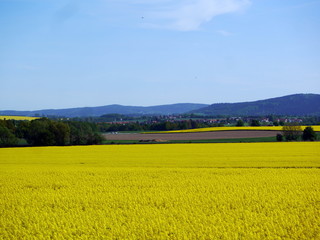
(98, 111)
(292, 105)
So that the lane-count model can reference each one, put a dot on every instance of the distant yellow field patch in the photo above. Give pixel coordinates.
(17, 118)
(212, 129)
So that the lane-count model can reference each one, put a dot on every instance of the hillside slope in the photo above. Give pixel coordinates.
(292, 105)
(98, 111)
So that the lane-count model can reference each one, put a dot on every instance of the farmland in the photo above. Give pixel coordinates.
(172, 136)
(19, 118)
(176, 191)
(217, 129)
(224, 134)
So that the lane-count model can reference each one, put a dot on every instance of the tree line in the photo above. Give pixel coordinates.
(294, 132)
(46, 132)
(175, 125)
(155, 126)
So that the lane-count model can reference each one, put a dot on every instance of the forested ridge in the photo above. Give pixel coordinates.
(292, 105)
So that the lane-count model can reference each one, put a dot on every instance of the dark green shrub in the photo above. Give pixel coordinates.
(309, 134)
(279, 137)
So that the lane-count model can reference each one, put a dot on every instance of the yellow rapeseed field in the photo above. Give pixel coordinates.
(18, 118)
(211, 129)
(177, 191)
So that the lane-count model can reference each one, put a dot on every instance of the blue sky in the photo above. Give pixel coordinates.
(62, 54)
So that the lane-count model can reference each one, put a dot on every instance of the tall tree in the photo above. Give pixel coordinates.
(240, 123)
(309, 134)
(40, 133)
(292, 131)
(61, 133)
(7, 138)
(255, 123)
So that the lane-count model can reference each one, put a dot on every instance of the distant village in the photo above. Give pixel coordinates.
(117, 122)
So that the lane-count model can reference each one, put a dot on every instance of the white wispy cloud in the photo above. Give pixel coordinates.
(189, 15)
(224, 33)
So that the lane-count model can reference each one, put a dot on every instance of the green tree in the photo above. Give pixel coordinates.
(185, 124)
(7, 138)
(168, 126)
(40, 133)
(83, 133)
(77, 133)
(292, 131)
(94, 139)
(309, 134)
(240, 123)
(279, 137)
(194, 124)
(22, 129)
(10, 124)
(255, 123)
(61, 133)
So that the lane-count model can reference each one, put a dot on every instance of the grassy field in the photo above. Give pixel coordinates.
(17, 118)
(210, 129)
(165, 191)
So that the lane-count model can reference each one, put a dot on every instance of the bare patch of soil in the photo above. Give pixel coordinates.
(190, 136)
